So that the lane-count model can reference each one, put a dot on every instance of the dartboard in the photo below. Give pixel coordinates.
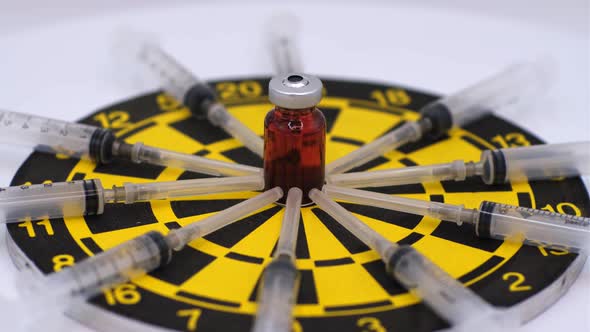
(212, 284)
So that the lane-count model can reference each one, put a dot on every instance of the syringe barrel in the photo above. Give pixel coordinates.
(280, 283)
(141, 153)
(538, 162)
(501, 221)
(135, 192)
(56, 136)
(408, 132)
(518, 84)
(442, 293)
(51, 200)
(126, 261)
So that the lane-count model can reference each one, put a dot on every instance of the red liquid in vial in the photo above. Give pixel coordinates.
(294, 150)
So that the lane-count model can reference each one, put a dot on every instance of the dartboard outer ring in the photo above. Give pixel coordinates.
(343, 285)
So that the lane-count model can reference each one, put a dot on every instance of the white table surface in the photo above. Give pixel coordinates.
(54, 60)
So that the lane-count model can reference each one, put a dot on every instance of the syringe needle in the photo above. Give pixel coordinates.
(516, 85)
(140, 153)
(100, 145)
(280, 279)
(491, 220)
(445, 295)
(539, 162)
(133, 258)
(456, 170)
(187, 88)
(88, 197)
(178, 238)
(282, 31)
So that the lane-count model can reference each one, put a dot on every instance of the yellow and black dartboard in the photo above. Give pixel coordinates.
(212, 285)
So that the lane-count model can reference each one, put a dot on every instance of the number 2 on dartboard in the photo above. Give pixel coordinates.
(517, 285)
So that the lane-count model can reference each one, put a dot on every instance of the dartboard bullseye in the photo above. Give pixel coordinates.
(213, 283)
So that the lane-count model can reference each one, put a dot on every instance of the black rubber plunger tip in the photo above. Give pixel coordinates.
(101, 146)
(440, 118)
(198, 98)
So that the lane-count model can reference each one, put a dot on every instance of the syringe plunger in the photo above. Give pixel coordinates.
(516, 85)
(282, 30)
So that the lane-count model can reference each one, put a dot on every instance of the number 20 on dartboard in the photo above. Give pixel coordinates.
(238, 90)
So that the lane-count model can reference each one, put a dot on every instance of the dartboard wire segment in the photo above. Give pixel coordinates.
(213, 283)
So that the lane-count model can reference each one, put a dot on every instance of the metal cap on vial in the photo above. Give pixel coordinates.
(295, 91)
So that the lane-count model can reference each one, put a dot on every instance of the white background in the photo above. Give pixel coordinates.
(55, 60)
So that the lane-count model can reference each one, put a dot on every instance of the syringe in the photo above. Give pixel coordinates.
(445, 295)
(515, 85)
(283, 30)
(132, 258)
(491, 220)
(100, 145)
(280, 279)
(88, 197)
(179, 82)
(539, 162)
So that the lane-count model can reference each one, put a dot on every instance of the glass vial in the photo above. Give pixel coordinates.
(295, 135)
